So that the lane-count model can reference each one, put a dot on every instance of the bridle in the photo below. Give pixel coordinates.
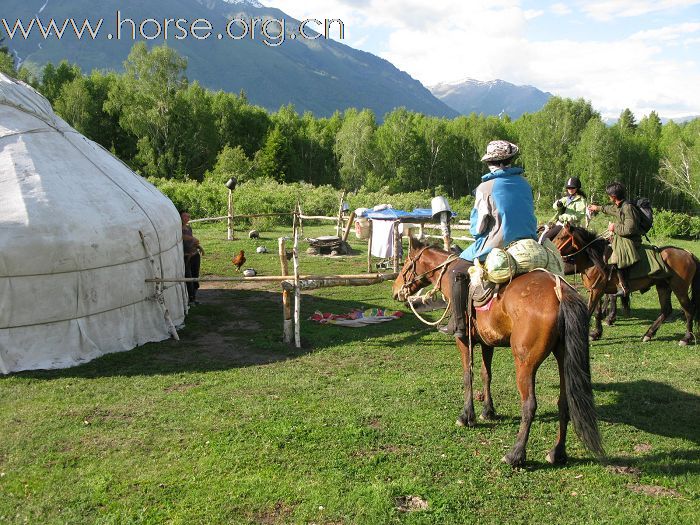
(405, 288)
(572, 239)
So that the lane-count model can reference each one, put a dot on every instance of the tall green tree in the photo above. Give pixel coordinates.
(404, 152)
(147, 102)
(238, 123)
(54, 78)
(680, 163)
(356, 149)
(547, 141)
(232, 162)
(595, 159)
(7, 61)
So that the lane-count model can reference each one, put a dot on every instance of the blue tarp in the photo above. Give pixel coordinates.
(391, 214)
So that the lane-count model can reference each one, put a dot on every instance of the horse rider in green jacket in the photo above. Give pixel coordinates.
(571, 207)
(626, 233)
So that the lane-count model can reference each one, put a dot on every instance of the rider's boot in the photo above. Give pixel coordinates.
(457, 325)
(623, 288)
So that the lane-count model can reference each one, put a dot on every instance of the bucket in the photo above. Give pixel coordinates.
(362, 226)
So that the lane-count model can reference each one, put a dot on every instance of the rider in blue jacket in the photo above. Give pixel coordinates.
(504, 212)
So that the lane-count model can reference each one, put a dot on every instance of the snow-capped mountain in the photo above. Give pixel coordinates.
(494, 97)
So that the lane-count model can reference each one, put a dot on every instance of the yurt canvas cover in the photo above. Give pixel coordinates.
(72, 262)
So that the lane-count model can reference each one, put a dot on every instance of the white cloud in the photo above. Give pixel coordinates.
(560, 9)
(455, 39)
(668, 33)
(609, 9)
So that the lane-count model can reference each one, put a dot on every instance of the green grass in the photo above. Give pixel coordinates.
(229, 425)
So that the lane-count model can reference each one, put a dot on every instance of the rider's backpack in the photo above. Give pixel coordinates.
(644, 215)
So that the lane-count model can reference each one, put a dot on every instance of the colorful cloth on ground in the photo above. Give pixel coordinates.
(357, 317)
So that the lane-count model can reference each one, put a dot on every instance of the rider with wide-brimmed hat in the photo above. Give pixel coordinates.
(504, 212)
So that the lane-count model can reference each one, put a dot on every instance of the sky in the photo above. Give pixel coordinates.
(638, 54)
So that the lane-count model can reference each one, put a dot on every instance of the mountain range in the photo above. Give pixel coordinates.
(495, 97)
(319, 75)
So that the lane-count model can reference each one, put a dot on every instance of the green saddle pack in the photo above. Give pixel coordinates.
(650, 264)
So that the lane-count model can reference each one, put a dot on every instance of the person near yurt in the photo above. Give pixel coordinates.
(79, 235)
(504, 212)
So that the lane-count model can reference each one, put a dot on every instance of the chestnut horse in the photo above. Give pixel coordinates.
(586, 250)
(528, 316)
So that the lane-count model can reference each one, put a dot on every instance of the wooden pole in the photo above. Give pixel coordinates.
(299, 215)
(445, 220)
(288, 323)
(313, 284)
(229, 220)
(347, 228)
(397, 246)
(160, 299)
(369, 249)
(339, 227)
(297, 290)
(259, 279)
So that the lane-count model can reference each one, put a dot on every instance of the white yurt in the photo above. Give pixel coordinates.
(73, 262)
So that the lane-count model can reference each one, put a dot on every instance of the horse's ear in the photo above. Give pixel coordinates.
(415, 244)
(567, 227)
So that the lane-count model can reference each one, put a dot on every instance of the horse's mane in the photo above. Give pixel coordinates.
(594, 246)
(416, 243)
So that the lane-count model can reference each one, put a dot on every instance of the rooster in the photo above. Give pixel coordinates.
(239, 260)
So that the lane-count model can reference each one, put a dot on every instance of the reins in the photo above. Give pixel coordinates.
(436, 285)
(571, 238)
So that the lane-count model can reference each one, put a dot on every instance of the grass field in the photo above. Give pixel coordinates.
(229, 425)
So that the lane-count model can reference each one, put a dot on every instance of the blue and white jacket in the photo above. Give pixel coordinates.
(504, 212)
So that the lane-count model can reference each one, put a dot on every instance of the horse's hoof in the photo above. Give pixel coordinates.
(459, 423)
(487, 416)
(682, 342)
(552, 458)
(646, 339)
(594, 337)
(513, 462)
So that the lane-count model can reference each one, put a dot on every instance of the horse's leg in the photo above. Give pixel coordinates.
(467, 417)
(664, 292)
(486, 356)
(612, 311)
(680, 290)
(597, 332)
(558, 454)
(525, 376)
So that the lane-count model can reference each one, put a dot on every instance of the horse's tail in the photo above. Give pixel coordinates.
(573, 325)
(695, 290)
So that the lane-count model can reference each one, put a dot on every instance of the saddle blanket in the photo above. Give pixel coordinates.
(650, 264)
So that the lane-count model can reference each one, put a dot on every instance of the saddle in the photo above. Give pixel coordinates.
(481, 292)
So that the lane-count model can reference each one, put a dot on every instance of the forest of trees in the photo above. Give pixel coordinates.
(163, 125)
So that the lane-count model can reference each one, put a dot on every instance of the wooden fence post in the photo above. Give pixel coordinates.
(288, 324)
(297, 290)
(230, 216)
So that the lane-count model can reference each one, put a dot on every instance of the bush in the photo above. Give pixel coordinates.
(261, 196)
(670, 224)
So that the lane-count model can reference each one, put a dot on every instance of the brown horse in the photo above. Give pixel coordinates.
(528, 316)
(586, 250)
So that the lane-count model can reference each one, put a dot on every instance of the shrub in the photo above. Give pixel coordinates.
(260, 196)
(672, 224)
